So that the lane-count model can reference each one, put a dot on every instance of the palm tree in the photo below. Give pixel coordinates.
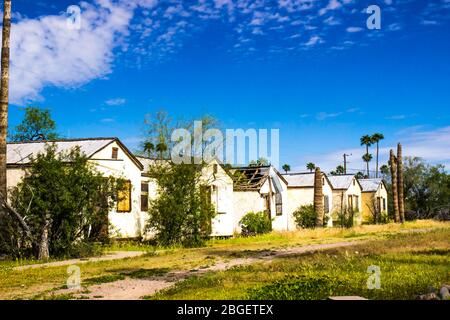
(161, 148)
(400, 189)
(338, 171)
(366, 140)
(4, 93)
(310, 166)
(318, 197)
(393, 164)
(149, 147)
(286, 168)
(376, 138)
(367, 158)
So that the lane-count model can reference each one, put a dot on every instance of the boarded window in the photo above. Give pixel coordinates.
(115, 152)
(384, 204)
(350, 202)
(144, 196)
(278, 204)
(326, 204)
(124, 198)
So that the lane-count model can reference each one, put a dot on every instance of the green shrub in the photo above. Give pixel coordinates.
(305, 217)
(346, 218)
(299, 287)
(255, 223)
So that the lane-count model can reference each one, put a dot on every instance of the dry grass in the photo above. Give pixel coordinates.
(29, 283)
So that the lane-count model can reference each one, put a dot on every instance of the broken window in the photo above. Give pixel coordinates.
(115, 152)
(279, 204)
(144, 196)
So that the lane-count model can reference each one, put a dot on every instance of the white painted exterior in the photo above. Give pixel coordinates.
(303, 194)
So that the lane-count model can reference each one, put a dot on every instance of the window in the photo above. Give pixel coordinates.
(323, 181)
(278, 204)
(350, 202)
(215, 168)
(384, 204)
(124, 198)
(326, 204)
(354, 182)
(115, 152)
(144, 196)
(356, 203)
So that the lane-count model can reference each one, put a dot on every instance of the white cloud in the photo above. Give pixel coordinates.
(332, 5)
(44, 51)
(313, 41)
(116, 102)
(354, 29)
(325, 115)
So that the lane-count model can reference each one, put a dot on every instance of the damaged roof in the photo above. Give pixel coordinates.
(249, 178)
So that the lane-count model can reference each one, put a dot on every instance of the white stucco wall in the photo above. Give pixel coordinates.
(221, 197)
(243, 203)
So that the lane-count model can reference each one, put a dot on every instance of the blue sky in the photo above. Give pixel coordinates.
(310, 68)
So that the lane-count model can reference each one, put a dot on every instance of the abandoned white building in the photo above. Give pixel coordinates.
(301, 192)
(346, 194)
(234, 192)
(374, 197)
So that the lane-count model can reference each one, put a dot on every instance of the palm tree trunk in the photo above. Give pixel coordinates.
(394, 186)
(378, 150)
(318, 198)
(4, 93)
(367, 162)
(400, 189)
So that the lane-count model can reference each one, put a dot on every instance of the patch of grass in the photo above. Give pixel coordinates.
(29, 283)
(103, 279)
(409, 263)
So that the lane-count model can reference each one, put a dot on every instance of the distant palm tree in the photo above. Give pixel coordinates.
(384, 169)
(376, 138)
(338, 171)
(366, 140)
(367, 158)
(161, 148)
(149, 148)
(359, 175)
(286, 168)
(310, 166)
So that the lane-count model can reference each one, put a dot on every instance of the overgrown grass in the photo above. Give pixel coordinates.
(410, 264)
(29, 283)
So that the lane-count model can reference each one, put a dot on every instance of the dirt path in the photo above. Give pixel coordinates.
(110, 256)
(134, 289)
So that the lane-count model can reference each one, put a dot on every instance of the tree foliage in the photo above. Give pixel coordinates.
(181, 213)
(306, 217)
(63, 196)
(36, 125)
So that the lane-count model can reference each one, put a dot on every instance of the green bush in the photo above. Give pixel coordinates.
(254, 223)
(305, 217)
(346, 218)
(299, 287)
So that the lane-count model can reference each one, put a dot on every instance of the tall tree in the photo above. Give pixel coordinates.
(37, 124)
(400, 189)
(4, 92)
(310, 166)
(366, 140)
(318, 197)
(376, 138)
(338, 171)
(367, 158)
(286, 168)
(393, 164)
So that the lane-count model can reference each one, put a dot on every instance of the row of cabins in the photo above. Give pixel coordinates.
(234, 192)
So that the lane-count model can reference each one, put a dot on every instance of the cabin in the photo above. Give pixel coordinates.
(111, 158)
(346, 195)
(261, 188)
(374, 197)
(301, 192)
